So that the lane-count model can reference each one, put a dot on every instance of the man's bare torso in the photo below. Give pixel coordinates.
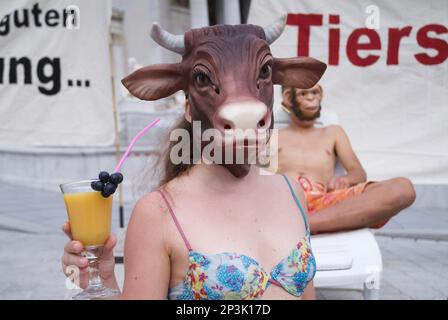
(309, 153)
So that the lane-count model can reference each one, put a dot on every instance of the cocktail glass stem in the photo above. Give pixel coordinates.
(96, 288)
(93, 254)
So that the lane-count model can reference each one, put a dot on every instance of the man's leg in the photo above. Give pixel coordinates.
(379, 202)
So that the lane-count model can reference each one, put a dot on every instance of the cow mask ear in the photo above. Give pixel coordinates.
(154, 82)
(299, 72)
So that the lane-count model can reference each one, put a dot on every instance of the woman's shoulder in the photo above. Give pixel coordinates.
(149, 210)
(151, 200)
(294, 184)
(148, 223)
(272, 179)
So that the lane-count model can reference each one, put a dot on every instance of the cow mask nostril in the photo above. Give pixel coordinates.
(227, 127)
(261, 124)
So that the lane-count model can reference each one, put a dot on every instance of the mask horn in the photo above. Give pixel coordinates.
(274, 30)
(167, 40)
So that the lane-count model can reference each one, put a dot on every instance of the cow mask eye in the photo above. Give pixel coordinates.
(265, 71)
(201, 79)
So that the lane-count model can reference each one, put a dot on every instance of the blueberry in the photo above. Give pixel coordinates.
(104, 176)
(97, 185)
(116, 178)
(109, 188)
(105, 194)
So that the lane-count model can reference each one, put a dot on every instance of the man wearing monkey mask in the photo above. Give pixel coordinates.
(309, 154)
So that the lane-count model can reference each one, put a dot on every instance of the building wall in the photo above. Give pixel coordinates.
(138, 17)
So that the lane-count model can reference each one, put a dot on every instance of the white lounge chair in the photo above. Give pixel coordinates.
(349, 260)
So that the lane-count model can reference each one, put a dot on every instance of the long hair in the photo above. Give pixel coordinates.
(171, 170)
(162, 169)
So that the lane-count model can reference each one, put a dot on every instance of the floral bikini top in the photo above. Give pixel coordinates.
(229, 275)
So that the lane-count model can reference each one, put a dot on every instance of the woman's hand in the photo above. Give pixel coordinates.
(72, 258)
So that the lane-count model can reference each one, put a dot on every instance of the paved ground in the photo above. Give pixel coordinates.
(413, 245)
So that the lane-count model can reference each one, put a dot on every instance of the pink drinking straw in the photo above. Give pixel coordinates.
(134, 140)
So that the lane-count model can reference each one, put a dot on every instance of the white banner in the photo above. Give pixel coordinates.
(387, 76)
(55, 87)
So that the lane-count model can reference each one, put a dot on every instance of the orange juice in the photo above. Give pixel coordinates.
(90, 217)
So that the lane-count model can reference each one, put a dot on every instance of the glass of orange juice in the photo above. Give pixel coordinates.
(90, 217)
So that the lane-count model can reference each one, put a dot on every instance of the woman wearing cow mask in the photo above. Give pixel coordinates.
(217, 230)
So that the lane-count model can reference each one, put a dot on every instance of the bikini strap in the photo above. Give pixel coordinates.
(176, 222)
(305, 219)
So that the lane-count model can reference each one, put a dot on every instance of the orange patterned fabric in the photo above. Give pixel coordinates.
(318, 198)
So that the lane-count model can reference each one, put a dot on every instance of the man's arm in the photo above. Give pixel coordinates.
(347, 157)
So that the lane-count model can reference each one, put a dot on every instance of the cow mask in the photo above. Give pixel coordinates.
(227, 73)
